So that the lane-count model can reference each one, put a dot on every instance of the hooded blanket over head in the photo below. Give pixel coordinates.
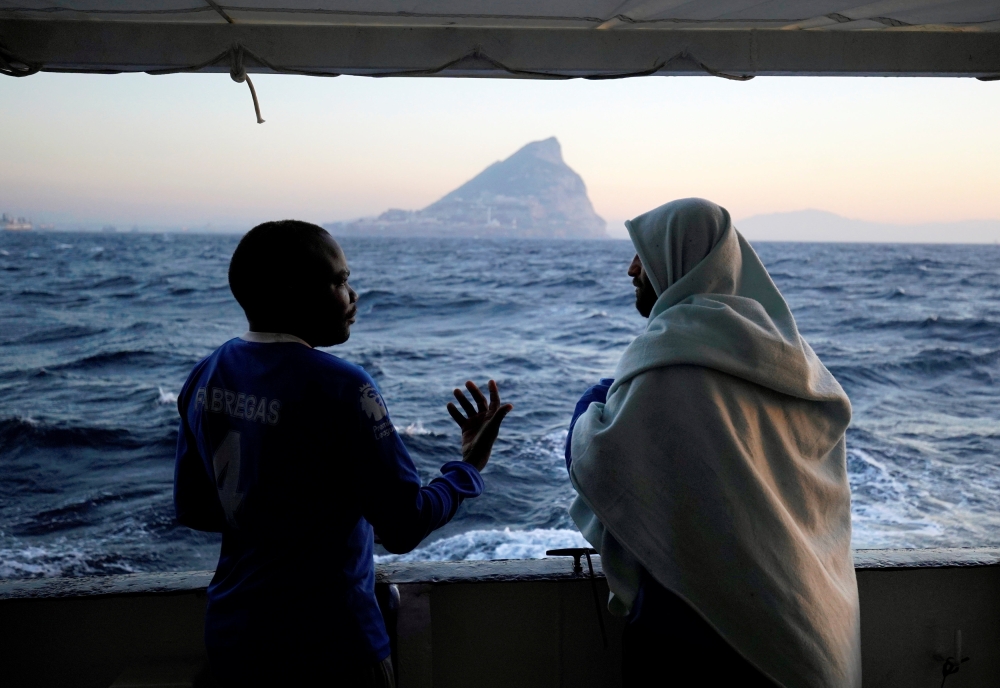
(718, 462)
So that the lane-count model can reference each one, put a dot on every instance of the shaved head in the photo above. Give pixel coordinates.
(291, 276)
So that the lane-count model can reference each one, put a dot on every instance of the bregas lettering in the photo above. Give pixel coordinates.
(239, 405)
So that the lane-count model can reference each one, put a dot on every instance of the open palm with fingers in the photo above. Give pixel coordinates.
(481, 424)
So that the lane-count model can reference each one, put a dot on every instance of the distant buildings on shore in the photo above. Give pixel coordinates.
(15, 224)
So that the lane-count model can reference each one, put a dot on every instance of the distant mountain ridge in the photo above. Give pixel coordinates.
(533, 193)
(820, 225)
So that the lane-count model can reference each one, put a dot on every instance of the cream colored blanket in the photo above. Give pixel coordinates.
(718, 462)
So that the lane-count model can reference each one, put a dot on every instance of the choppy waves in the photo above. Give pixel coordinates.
(99, 332)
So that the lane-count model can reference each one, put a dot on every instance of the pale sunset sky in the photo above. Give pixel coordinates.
(185, 150)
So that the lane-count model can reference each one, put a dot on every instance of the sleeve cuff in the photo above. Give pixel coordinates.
(463, 477)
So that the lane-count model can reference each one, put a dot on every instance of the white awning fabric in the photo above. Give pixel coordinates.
(505, 38)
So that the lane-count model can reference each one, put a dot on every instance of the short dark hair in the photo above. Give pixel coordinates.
(272, 261)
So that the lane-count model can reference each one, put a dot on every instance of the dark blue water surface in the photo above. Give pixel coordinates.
(98, 332)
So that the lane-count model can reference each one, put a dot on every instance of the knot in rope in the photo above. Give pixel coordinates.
(238, 73)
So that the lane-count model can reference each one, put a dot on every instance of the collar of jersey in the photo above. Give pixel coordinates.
(272, 338)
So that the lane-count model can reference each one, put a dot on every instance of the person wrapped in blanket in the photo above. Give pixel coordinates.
(711, 473)
(290, 453)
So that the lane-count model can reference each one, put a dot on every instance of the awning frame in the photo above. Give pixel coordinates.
(157, 47)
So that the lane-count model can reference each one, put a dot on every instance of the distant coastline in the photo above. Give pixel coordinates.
(819, 226)
(803, 226)
(800, 226)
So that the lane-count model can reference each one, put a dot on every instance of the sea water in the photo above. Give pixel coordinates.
(99, 331)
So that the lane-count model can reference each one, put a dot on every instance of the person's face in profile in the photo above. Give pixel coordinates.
(330, 304)
(645, 296)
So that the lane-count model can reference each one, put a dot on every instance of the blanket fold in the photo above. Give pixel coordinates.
(718, 462)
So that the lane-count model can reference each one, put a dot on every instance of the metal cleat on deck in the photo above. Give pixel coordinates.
(577, 553)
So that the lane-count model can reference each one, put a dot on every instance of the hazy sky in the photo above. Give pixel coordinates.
(185, 149)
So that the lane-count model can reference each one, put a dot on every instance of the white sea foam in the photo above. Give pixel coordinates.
(416, 429)
(55, 560)
(479, 545)
(885, 507)
(166, 397)
(35, 562)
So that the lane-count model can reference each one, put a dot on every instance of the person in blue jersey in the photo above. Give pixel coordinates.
(291, 454)
(711, 473)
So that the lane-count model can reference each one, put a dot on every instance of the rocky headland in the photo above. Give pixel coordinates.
(533, 193)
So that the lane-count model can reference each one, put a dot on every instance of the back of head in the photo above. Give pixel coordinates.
(672, 239)
(274, 265)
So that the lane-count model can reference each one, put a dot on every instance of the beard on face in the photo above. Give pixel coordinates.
(645, 295)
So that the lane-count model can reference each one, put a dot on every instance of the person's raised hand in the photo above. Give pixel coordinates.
(480, 428)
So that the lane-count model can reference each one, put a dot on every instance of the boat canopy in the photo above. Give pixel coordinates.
(553, 39)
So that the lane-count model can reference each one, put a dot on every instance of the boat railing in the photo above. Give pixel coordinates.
(526, 622)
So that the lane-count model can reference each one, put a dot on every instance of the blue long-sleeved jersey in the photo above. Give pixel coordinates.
(290, 453)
